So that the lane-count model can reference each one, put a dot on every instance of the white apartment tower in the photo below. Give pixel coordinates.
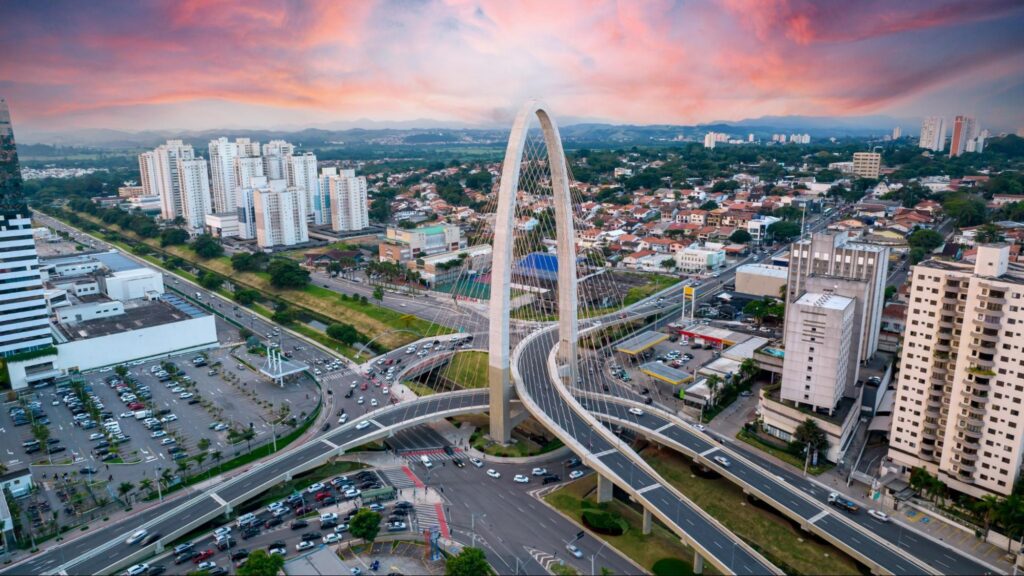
(222, 174)
(933, 134)
(275, 161)
(194, 187)
(819, 336)
(348, 202)
(302, 175)
(148, 175)
(322, 200)
(709, 140)
(247, 148)
(960, 392)
(162, 163)
(246, 197)
(24, 318)
(280, 215)
(829, 263)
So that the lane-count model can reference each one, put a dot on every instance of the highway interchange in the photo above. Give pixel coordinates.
(195, 505)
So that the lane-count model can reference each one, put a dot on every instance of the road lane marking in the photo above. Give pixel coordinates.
(605, 453)
(818, 517)
(219, 500)
(648, 488)
(709, 451)
(665, 427)
(329, 443)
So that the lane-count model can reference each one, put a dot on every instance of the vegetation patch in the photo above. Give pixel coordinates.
(671, 567)
(604, 522)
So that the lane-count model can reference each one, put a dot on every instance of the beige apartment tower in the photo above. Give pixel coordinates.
(867, 164)
(960, 392)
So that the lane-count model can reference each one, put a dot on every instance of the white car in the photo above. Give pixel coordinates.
(354, 384)
(278, 551)
(185, 395)
(304, 545)
(878, 515)
(158, 434)
(576, 474)
(314, 488)
(384, 390)
(574, 550)
(363, 424)
(206, 565)
(373, 402)
(137, 570)
(700, 427)
(136, 537)
(222, 531)
(331, 538)
(539, 471)
(95, 436)
(360, 400)
(521, 479)
(723, 461)
(493, 473)
(329, 517)
(352, 493)
(476, 462)
(343, 418)
(636, 412)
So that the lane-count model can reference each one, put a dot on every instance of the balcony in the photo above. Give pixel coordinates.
(986, 322)
(983, 347)
(985, 310)
(990, 299)
(940, 370)
(934, 403)
(969, 444)
(929, 433)
(949, 300)
(965, 469)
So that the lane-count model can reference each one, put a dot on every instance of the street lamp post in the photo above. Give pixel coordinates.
(593, 558)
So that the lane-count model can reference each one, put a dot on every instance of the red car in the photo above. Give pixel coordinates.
(202, 556)
(362, 386)
(321, 495)
(136, 406)
(389, 362)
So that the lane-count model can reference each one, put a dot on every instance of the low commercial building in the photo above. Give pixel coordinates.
(761, 280)
(445, 268)
(401, 245)
(222, 225)
(695, 259)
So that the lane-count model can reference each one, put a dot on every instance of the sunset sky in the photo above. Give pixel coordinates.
(192, 64)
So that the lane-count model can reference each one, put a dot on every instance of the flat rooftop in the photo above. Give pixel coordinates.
(745, 349)
(641, 342)
(138, 314)
(780, 272)
(321, 562)
(829, 301)
(838, 416)
(665, 373)
(117, 262)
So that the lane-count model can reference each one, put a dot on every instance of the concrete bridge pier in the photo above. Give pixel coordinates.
(605, 489)
(698, 563)
(648, 521)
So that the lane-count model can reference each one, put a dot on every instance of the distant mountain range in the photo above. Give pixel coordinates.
(419, 132)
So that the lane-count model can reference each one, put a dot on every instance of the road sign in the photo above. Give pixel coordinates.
(688, 291)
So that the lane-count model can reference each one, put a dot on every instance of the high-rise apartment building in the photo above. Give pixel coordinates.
(964, 130)
(24, 318)
(933, 134)
(322, 200)
(246, 197)
(247, 147)
(709, 140)
(222, 174)
(246, 169)
(829, 263)
(148, 175)
(275, 159)
(302, 175)
(194, 188)
(897, 133)
(819, 336)
(348, 207)
(280, 215)
(867, 164)
(160, 169)
(960, 392)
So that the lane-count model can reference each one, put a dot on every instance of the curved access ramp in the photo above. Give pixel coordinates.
(548, 400)
(871, 542)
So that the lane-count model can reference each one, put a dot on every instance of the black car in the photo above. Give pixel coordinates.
(55, 449)
(250, 531)
(299, 524)
(156, 570)
(182, 558)
(226, 543)
(276, 544)
(53, 440)
(239, 554)
(32, 449)
(403, 504)
(328, 524)
(550, 478)
(459, 463)
(325, 427)
(271, 522)
(88, 470)
(310, 536)
(151, 538)
(400, 512)
(648, 400)
(348, 394)
(573, 463)
(329, 501)
(449, 450)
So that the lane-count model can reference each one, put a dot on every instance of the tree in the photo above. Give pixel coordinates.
(124, 488)
(246, 296)
(713, 383)
(469, 562)
(334, 268)
(784, 230)
(811, 438)
(987, 509)
(200, 458)
(378, 294)
(173, 236)
(206, 246)
(249, 262)
(740, 237)
(989, 233)
(287, 274)
(344, 333)
(210, 281)
(203, 444)
(1011, 516)
(709, 205)
(927, 240)
(261, 563)
(216, 455)
(965, 209)
(890, 291)
(146, 485)
(365, 524)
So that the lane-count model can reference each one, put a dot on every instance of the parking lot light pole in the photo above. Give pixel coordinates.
(159, 493)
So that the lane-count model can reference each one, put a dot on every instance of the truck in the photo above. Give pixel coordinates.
(142, 414)
(839, 501)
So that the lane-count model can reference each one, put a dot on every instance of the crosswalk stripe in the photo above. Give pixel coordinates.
(818, 516)
(398, 478)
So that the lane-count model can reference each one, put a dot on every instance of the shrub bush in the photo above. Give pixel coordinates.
(671, 567)
(603, 522)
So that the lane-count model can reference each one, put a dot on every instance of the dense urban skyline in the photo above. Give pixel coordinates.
(190, 65)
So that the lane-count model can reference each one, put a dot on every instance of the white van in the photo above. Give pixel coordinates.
(426, 461)
(245, 519)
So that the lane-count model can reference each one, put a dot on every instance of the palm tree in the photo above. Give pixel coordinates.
(987, 508)
(183, 466)
(748, 368)
(165, 477)
(146, 485)
(248, 436)
(812, 437)
(124, 488)
(200, 457)
(216, 455)
(1011, 516)
(713, 383)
